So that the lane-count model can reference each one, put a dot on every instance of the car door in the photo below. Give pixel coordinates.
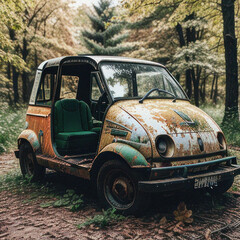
(39, 110)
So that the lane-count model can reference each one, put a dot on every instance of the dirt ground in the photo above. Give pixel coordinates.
(22, 217)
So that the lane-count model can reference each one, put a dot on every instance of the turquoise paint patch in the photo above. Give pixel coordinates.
(131, 155)
(32, 138)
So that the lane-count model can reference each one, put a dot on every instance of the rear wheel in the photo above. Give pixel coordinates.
(28, 163)
(117, 187)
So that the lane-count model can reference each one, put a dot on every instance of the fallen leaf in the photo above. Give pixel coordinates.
(208, 234)
(163, 221)
(182, 214)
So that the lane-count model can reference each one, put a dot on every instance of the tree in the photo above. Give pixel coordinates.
(32, 31)
(230, 45)
(10, 62)
(105, 37)
(192, 37)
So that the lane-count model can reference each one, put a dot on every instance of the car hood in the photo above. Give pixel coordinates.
(163, 116)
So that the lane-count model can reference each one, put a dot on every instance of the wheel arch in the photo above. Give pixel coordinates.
(29, 136)
(121, 152)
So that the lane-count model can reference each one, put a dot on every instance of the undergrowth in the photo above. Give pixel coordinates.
(12, 122)
(14, 182)
(231, 130)
(70, 200)
(102, 220)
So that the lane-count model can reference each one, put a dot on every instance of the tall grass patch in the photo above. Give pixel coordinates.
(45, 191)
(12, 121)
(231, 129)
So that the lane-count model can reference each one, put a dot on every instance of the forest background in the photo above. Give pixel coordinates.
(196, 40)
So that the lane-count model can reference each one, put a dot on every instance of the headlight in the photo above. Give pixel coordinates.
(162, 146)
(165, 146)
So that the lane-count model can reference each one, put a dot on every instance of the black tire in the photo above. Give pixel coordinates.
(28, 163)
(222, 186)
(117, 187)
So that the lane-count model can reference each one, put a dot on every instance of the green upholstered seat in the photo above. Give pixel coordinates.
(96, 130)
(73, 127)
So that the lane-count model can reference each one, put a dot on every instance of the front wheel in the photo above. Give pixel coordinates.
(117, 187)
(28, 163)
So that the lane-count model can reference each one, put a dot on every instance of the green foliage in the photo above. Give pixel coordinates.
(15, 182)
(105, 37)
(12, 122)
(31, 31)
(103, 220)
(196, 54)
(71, 200)
(231, 129)
(234, 188)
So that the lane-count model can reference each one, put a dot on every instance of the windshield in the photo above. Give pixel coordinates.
(127, 80)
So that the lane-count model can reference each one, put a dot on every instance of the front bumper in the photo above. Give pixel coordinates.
(183, 177)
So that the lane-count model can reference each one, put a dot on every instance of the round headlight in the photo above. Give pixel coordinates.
(162, 146)
(165, 146)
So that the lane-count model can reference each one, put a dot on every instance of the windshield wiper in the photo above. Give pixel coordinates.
(159, 90)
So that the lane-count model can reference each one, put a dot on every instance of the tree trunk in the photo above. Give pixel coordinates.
(215, 91)
(9, 76)
(24, 74)
(196, 87)
(230, 45)
(180, 35)
(188, 83)
(212, 88)
(15, 75)
(188, 80)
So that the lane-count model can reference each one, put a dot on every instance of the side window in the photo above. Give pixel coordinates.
(45, 91)
(69, 86)
(96, 92)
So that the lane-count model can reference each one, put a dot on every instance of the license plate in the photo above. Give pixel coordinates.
(205, 182)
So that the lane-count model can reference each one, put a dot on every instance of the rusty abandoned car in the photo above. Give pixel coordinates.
(124, 124)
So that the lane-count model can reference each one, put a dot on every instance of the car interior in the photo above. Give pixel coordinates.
(78, 110)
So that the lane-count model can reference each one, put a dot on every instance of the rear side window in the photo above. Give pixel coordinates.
(45, 91)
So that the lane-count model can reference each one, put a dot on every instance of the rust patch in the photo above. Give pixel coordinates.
(37, 123)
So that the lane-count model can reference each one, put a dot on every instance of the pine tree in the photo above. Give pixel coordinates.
(105, 39)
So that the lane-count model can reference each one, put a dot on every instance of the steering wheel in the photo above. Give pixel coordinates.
(159, 90)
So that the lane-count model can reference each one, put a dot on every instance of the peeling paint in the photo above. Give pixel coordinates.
(133, 157)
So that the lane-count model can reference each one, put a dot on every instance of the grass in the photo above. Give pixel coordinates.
(12, 122)
(231, 130)
(15, 183)
(70, 200)
(102, 220)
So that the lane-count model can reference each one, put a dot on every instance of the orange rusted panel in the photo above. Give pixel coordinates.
(39, 118)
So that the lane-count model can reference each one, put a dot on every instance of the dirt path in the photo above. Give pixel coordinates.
(22, 217)
(8, 162)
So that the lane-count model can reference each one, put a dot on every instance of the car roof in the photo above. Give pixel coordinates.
(94, 59)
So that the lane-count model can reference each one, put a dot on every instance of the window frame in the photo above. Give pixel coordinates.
(53, 82)
(96, 75)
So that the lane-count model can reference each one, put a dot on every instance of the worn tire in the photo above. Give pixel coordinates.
(117, 187)
(28, 163)
(222, 186)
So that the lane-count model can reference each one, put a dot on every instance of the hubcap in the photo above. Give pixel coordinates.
(119, 189)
